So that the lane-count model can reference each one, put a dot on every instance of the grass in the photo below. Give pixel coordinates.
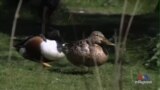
(22, 74)
(109, 6)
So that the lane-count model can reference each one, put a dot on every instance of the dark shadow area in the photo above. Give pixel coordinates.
(71, 71)
(141, 25)
(66, 68)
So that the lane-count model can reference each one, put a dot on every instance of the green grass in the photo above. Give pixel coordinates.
(98, 10)
(22, 74)
(110, 6)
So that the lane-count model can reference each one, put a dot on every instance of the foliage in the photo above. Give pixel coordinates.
(154, 61)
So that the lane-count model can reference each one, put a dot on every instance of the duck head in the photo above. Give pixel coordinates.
(97, 37)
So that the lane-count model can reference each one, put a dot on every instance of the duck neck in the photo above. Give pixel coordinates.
(59, 45)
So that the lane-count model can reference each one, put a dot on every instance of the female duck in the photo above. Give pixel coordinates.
(90, 51)
(40, 49)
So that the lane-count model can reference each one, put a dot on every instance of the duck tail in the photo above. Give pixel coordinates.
(20, 42)
(17, 46)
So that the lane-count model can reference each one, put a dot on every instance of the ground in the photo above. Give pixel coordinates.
(21, 74)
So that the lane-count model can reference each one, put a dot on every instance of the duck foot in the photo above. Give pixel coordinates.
(46, 65)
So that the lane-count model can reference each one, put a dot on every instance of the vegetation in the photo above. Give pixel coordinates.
(110, 6)
(154, 61)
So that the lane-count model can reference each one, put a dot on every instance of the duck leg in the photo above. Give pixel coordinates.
(45, 64)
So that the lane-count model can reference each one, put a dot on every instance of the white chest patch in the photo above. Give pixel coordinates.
(49, 50)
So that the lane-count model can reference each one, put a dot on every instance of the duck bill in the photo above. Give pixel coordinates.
(107, 42)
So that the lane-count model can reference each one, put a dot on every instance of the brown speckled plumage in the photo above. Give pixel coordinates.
(90, 51)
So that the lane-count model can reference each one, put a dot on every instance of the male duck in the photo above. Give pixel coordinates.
(90, 51)
(40, 49)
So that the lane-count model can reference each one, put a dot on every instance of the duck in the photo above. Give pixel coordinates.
(40, 49)
(89, 51)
